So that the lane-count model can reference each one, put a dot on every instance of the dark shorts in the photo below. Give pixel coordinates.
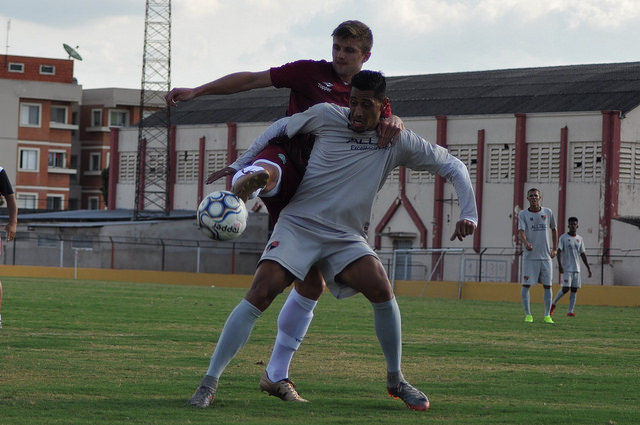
(292, 157)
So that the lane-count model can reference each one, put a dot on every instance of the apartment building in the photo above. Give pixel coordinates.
(38, 121)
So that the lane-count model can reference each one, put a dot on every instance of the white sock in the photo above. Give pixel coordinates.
(548, 296)
(235, 334)
(293, 322)
(526, 300)
(388, 324)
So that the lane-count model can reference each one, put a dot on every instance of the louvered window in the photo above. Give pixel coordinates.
(127, 171)
(544, 163)
(502, 159)
(586, 162)
(629, 163)
(187, 166)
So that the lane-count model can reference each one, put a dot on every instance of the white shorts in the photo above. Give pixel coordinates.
(298, 243)
(571, 280)
(537, 271)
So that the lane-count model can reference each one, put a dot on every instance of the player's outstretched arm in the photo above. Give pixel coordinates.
(217, 175)
(232, 83)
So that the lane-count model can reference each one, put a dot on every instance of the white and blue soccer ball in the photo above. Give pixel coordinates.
(222, 216)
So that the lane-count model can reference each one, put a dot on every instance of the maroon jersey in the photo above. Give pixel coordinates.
(311, 82)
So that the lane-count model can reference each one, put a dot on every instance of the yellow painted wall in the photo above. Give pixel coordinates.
(488, 291)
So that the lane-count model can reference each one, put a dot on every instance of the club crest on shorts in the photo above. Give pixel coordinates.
(272, 245)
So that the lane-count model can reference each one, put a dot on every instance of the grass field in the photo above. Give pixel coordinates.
(92, 352)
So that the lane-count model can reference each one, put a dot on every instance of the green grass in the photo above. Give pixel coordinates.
(85, 352)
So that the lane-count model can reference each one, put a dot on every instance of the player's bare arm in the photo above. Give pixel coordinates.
(464, 228)
(524, 240)
(12, 207)
(232, 83)
(554, 239)
(389, 129)
(217, 175)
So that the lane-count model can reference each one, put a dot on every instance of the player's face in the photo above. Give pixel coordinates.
(573, 227)
(347, 58)
(365, 110)
(534, 199)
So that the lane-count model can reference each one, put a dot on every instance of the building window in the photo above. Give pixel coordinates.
(544, 163)
(47, 70)
(586, 162)
(28, 201)
(16, 67)
(93, 202)
(30, 114)
(127, 169)
(629, 162)
(217, 160)
(59, 114)
(94, 161)
(57, 159)
(118, 118)
(156, 166)
(467, 154)
(29, 159)
(47, 241)
(96, 118)
(502, 161)
(187, 166)
(55, 202)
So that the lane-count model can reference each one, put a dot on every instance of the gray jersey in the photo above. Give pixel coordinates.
(570, 248)
(536, 226)
(346, 169)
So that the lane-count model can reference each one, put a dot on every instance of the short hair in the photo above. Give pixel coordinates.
(355, 30)
(573, 219)
(532, 190)
(371, 80)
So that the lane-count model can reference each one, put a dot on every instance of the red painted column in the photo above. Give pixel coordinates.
(611, 160)
(201, 162)
(173, 161)
(562, 184)
(114, 167)
(438, 197)
(519, 178)
(232, 149)
(477, 236)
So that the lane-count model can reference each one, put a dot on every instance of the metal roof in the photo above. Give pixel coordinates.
(573, 88)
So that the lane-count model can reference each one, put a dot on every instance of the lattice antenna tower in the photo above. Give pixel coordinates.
(153, 165)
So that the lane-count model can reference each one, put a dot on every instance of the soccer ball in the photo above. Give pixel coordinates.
(222, 216)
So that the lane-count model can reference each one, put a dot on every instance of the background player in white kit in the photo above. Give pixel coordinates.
(570, 248)
(323, 225)
(533, 225)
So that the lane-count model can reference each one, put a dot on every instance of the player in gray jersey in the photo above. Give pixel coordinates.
(570, 249)
(324, 221)
(533, 226)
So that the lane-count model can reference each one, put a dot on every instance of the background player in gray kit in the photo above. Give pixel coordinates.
(323, 225)
(533, 225)
(570, 247)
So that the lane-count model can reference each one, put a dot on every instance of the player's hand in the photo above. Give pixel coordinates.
(463, 228)
(561, 270)
(529, 246)
(179, 95)
(388, 130)
(590, 273)
(553, 253)
(216, 175)
(11, 231)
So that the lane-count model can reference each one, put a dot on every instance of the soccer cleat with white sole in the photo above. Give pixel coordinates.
(249, 183)
(412, 397)
(205, 393)
(285, 389)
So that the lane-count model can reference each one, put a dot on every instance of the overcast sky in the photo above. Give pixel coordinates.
(211, 38)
